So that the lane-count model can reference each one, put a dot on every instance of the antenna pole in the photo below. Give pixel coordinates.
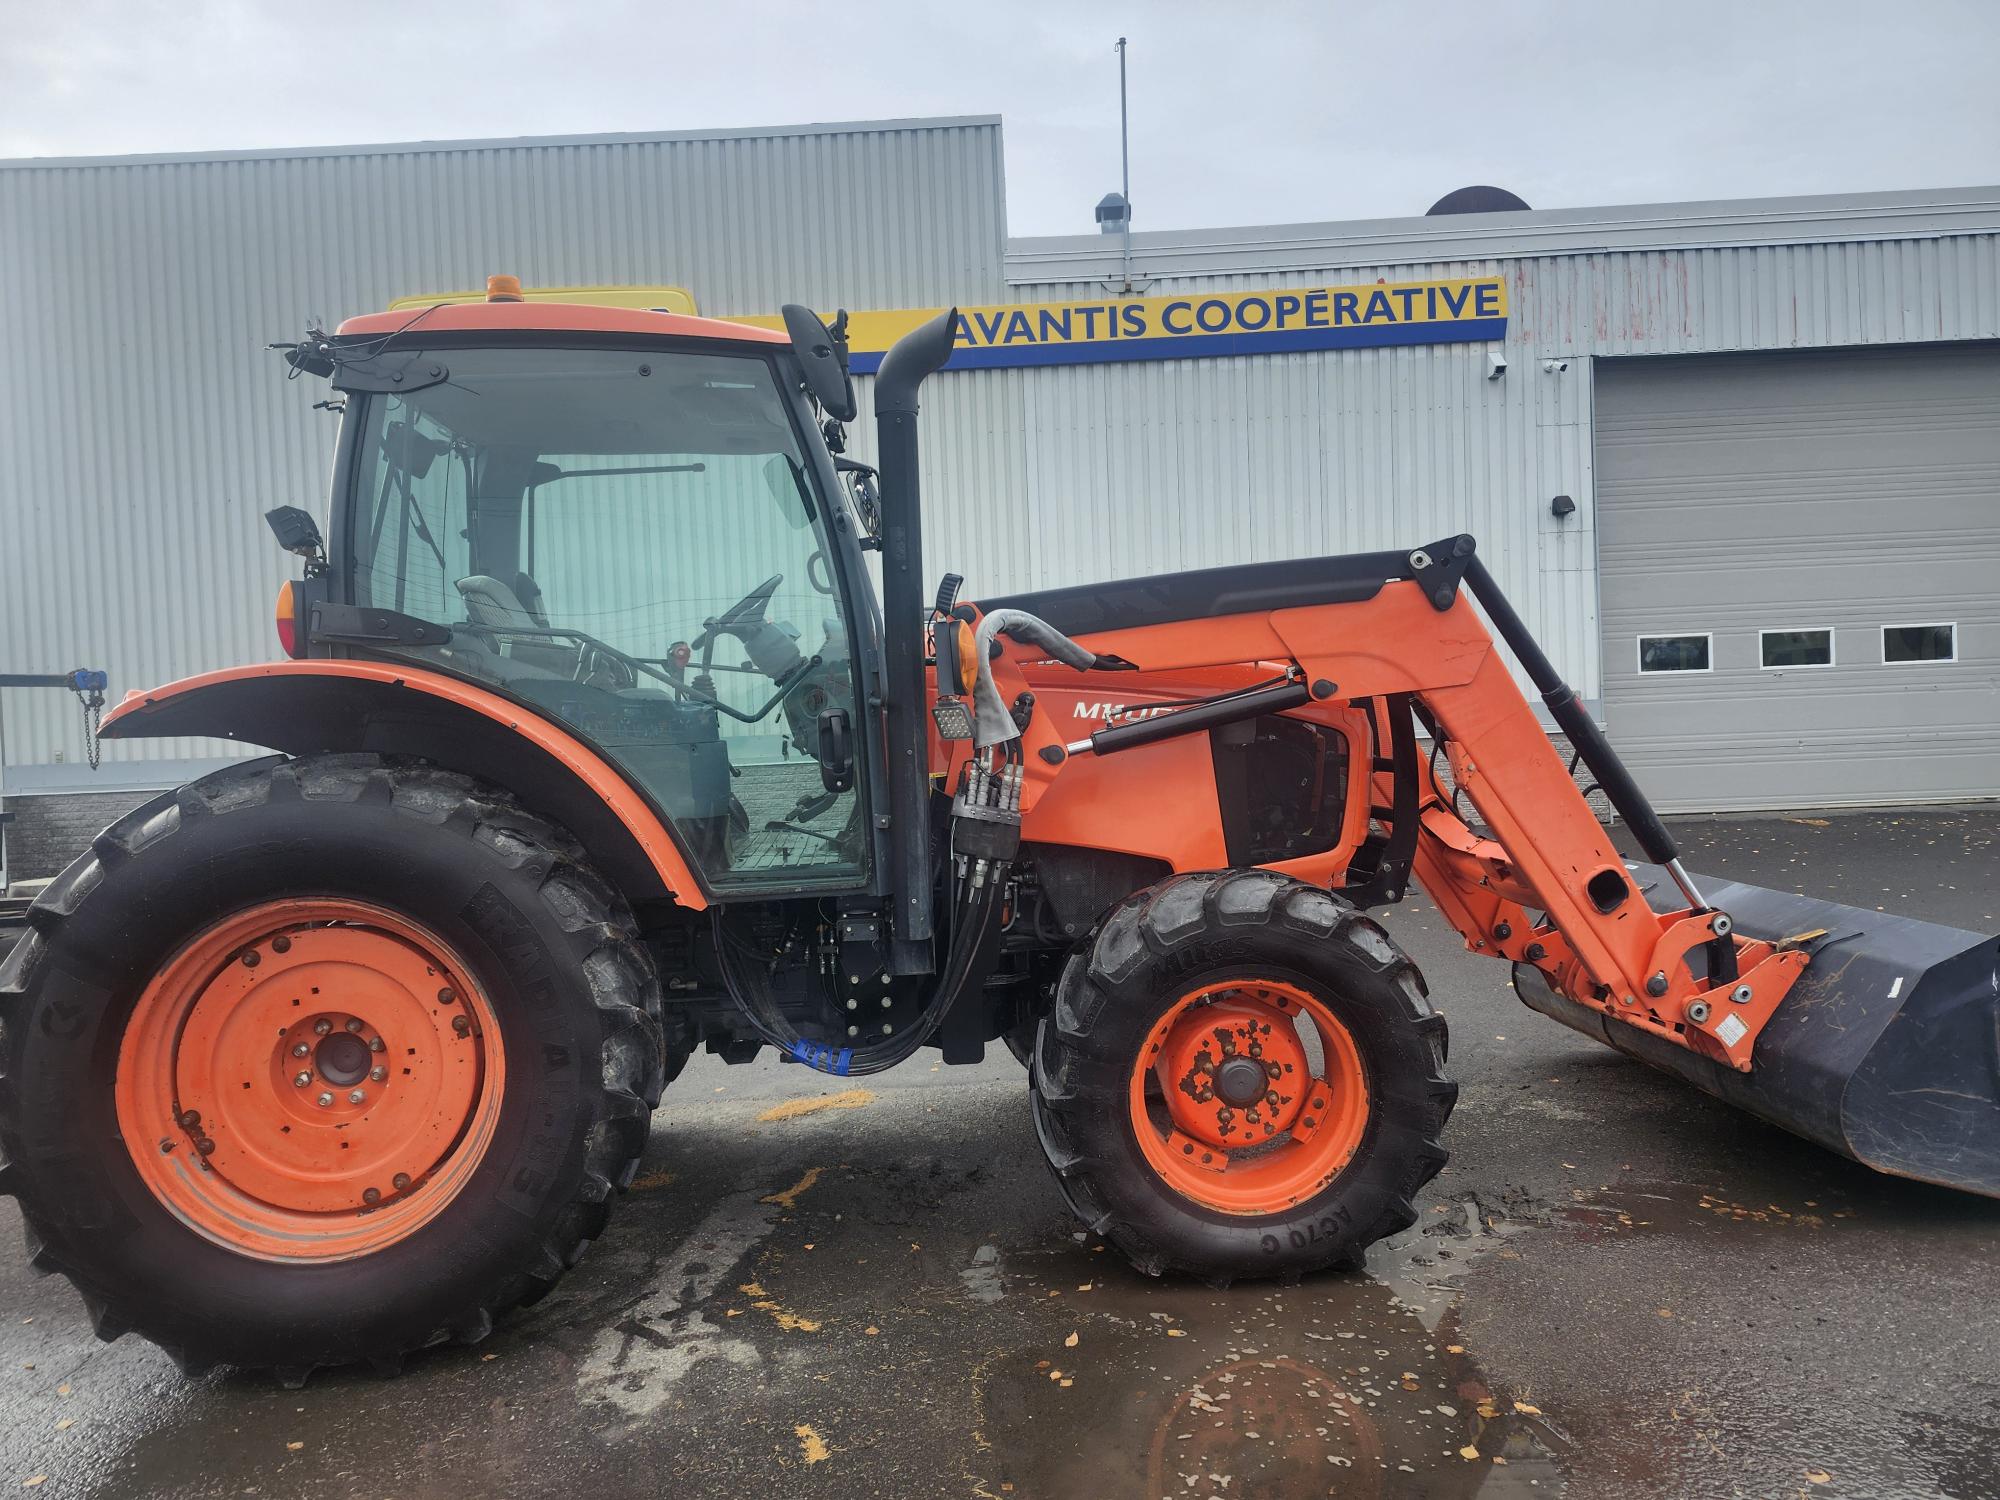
(1125, 164)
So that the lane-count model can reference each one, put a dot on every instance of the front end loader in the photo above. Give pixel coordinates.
(593, 747)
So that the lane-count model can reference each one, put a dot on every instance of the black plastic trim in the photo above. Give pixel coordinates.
(1205, 593)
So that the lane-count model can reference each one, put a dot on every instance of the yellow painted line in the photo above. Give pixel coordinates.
(793, 1109)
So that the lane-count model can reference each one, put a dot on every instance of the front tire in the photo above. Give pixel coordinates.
(467, 1004)
(1242, 1077)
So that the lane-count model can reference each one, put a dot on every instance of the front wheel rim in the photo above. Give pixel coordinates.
(1243, 1119)
(310, 1079)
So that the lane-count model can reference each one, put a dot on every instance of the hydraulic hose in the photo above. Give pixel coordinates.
(974, 940)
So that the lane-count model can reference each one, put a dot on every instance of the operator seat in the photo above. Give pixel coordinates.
(491, 603)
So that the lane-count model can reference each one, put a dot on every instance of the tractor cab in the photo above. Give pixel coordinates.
(627, 522)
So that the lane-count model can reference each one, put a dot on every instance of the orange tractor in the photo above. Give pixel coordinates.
(594, 747)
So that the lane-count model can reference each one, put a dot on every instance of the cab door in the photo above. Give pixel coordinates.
(635, 544)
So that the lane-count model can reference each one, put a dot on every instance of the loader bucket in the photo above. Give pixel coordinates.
(1887, 1049)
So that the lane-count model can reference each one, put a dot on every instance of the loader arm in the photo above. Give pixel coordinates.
(1538, 882)
(1870, 1033)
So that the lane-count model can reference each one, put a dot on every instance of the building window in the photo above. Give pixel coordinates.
(1901, 643)
(1673, 653)
(1795, 648)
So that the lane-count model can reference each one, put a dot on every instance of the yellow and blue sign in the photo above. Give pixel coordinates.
(1195, 325)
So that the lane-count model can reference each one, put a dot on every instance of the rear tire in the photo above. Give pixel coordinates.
(549, 949)
(1250, 952)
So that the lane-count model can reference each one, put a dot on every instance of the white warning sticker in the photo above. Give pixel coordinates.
(1896, 988)
(1730, 1028)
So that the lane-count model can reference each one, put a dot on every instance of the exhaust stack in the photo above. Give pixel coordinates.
(913, 358)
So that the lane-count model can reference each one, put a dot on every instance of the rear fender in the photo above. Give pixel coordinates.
(305, 707)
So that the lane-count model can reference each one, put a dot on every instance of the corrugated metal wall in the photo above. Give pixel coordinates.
(147, 428)
(1140, 468)
(1122, 469)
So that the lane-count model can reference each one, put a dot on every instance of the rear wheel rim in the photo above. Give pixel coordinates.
(310, 1080)
(1251, 1115)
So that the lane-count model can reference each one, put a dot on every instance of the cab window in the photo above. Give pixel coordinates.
(632, 543)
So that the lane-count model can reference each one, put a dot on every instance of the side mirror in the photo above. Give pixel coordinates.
(297, 532)
(822, 353)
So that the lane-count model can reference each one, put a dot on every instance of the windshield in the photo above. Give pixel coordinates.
(634, 543)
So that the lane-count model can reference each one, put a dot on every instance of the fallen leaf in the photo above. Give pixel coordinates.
(1070, 1342)
(1499, 1458)
(789, 1198)
(812, 1447)
(28, 1484)
(1818, 1476)
(651, 1182)
(63, 1389)
(1527, 1410)
(1055, 1374)
(1454, 1348)
(1666, 1312)
(808, 1247)
(1468, 1453)
(1176, 1333)
(484, 1357)
(294, 1447)
(1085, 1287)
(793, 1109)
(65, 1424)
(1065, 1382)
(871, 1330)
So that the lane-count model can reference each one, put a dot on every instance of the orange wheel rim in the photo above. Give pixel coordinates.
(1252, 1116)
(310, 1080)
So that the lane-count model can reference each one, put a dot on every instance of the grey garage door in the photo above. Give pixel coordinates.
(1800, 565)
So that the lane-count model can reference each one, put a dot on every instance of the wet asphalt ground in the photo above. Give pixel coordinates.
(1618, 1287)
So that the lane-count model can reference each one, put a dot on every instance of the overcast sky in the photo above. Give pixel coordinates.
(1241, 113)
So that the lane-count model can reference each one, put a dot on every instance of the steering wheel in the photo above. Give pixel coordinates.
(742, 616)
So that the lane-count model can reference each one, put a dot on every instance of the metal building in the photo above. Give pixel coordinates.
(1808, 390)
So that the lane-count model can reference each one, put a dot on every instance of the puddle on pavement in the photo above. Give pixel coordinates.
(1342, 1386)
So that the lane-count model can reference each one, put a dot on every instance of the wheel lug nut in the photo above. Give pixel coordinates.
(300, 1049)
(281, 945)
(357, 1097)
(446, 997)
(371, 1195)
(252, 959)
(353, 1025)
(375, 1044)
(205, 1146)
(462, 1026)
(322, 1026)
(376, 1075)
(325, 1101)
(300, 1080)
(190, 1119)
(401, 1182)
